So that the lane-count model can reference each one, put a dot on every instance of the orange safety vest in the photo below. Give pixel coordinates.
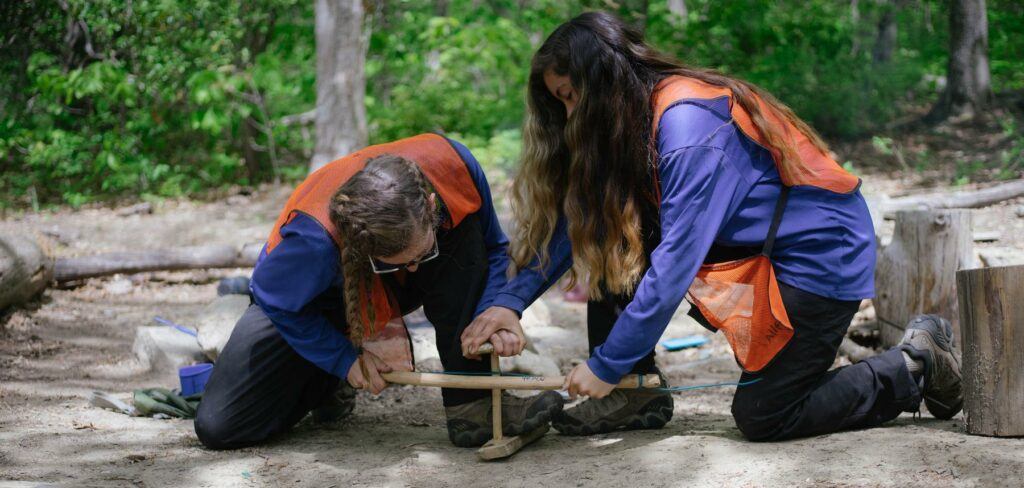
(741, 297)
(438, 161)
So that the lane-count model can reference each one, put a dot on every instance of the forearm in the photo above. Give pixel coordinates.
(531, 282)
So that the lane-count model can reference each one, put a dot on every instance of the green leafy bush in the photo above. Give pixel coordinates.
(104, 98)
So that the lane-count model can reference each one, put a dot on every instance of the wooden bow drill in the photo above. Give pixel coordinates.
(500, 446)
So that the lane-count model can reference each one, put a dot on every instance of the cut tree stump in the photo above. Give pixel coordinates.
(992, 321)
(25, 269)
(916, 271)
(78, 268)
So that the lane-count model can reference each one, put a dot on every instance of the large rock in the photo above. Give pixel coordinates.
(165, 348)
(531, 363)
(25, 269)
(216, 322)
(563, 347)
(993, 257)
(424, 348)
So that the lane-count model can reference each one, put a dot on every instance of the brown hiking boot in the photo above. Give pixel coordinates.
(469, 424)
(337, 406)
(929, 339)
(621, 409)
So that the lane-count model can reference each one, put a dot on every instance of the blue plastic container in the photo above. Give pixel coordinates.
(684, 342)
(193, 378)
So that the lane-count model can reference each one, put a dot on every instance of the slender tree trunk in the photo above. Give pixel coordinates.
(885, 41)
(678, 9)
(968, 87)
(340, 80)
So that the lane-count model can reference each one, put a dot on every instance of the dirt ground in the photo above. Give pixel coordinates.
(73, 341)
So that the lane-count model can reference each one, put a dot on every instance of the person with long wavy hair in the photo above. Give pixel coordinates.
(653, 181)
(361, 242)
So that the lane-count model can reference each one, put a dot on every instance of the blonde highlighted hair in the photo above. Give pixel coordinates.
(597, 167)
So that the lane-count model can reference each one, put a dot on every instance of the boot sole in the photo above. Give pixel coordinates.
(941, 335)
(654, 415)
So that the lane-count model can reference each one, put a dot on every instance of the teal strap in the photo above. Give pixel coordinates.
(710, 385)
(640, 380)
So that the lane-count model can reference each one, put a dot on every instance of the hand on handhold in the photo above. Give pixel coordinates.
(365, 373)
(497, 325)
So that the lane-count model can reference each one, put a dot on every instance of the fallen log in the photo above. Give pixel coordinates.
(916, 271)
(25, 269)
(992, 321)
(201, 257)
(958, 199)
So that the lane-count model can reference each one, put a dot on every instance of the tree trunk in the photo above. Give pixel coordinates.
(968, 85)
(915, 273)
(992, 321)
(25, 269)
(679, 12)
(340, 80)
(885, 41)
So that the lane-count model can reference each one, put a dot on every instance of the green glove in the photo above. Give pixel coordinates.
(161, 400)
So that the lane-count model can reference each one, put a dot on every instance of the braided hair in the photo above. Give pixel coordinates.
(378, 212)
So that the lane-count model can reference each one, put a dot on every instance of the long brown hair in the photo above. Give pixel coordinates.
(378, 212)
(597, 165)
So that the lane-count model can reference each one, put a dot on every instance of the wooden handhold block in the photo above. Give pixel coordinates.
(507, 446)
(504, 382)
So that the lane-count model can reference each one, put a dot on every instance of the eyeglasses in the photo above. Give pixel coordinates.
(380, 267)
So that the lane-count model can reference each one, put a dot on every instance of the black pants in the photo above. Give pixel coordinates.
(261, 387)
(797, 395)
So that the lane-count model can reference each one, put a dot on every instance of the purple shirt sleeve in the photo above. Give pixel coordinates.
(530, 283)
(286, 282)
(698, 187)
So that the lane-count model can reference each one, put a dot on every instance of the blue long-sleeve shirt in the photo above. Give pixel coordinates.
(719, 187)
(299, 285)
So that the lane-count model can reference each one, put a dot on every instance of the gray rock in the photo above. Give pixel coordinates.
(424, 349)
(530, 363)
(165, 348)
(119, 285)
(216, 322)
(563, 347)
(1000, 256)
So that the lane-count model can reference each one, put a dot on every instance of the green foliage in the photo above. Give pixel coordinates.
(146, 97)
(461, 70)
(1006, 51)
(814, 56)
(103, 98)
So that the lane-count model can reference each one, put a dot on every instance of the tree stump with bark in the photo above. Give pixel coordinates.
(916, 271)
(25, 269)
(992, 320)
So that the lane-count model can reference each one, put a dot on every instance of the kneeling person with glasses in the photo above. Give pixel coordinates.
(365, 240)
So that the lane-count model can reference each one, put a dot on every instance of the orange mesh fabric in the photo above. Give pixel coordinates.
(741, 298)
(392, 345)
(813, 167)
(440, 163)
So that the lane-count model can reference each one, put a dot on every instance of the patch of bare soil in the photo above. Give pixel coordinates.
(74, 341)
(953, 152)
